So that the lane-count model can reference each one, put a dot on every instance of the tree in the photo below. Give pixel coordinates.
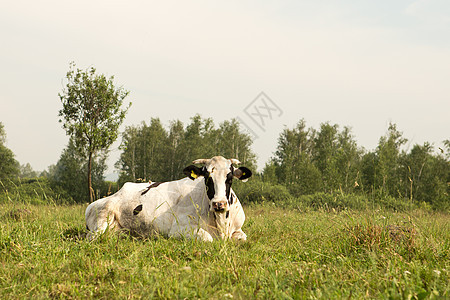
(91, 112)
(367, 169)
(70, 170)
(2, 134)
(175, 152)
(26, 171)
(49, 173)
(9, 167)
(293, 161)
(193, 138)
(425, 176)
(387, 167)
(232, 143)
(152, 152)
(324, 155)
(128, 158)
(348, 160)
(308, 161)
(144, 150)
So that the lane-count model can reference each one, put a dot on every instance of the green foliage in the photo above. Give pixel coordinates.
(308, 162)
(2, 134)
(289, 254)
(70, 173)
(150, 152)
(143, 153)
(387, 169)
(26, 171)
(341, 202)
(91, 112)
(91, 109)
(257, 191)
(9, 167)
(424, 176)
(232, 143)
(325, 157)
(293, 164)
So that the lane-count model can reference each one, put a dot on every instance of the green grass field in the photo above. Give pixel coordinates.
(289, 254)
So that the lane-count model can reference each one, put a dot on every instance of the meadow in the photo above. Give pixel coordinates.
(291, 253)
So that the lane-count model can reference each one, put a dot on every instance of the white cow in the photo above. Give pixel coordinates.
(202, 206)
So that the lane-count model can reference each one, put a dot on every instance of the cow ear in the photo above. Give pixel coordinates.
(242, 173)
(193, 172)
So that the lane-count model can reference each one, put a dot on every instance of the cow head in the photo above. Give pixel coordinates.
(218, 173)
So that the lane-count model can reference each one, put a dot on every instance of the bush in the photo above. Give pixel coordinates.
(333, 201)
(339, 201)
(256, 191)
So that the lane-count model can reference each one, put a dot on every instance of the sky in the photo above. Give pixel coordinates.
(361, 64)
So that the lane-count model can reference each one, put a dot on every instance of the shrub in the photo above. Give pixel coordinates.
(336, 201)
(258, 191)
(339, 201)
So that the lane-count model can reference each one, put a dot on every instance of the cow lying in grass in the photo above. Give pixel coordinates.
(202, 206)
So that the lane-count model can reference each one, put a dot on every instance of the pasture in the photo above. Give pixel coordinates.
(290, 253)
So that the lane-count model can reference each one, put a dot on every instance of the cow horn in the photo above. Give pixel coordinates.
(202, 161)
(235, 161)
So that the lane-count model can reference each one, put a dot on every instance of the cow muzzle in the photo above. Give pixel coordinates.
(219, 206)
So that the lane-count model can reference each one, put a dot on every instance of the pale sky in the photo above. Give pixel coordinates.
(361, 64)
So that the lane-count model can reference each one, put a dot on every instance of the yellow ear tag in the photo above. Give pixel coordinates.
(193, 175)
(243, 173)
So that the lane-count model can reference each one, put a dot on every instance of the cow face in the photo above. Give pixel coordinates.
(218, 174)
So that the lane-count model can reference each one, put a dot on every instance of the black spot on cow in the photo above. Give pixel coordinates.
(210, 191)
(228, 183)
(231, 200)
(137, 210)
(153, 185)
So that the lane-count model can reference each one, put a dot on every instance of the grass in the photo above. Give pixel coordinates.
(289, 254)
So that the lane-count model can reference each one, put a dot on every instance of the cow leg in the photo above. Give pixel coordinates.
(239, 235)
(190, 232)
(204, 235)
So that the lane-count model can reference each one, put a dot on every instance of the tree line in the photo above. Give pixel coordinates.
(328, 159)
(306, 160)
(152, 152)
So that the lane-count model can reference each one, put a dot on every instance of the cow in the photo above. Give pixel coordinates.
(200, 206)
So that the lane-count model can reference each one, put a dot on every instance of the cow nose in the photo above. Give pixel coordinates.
(219, 205)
